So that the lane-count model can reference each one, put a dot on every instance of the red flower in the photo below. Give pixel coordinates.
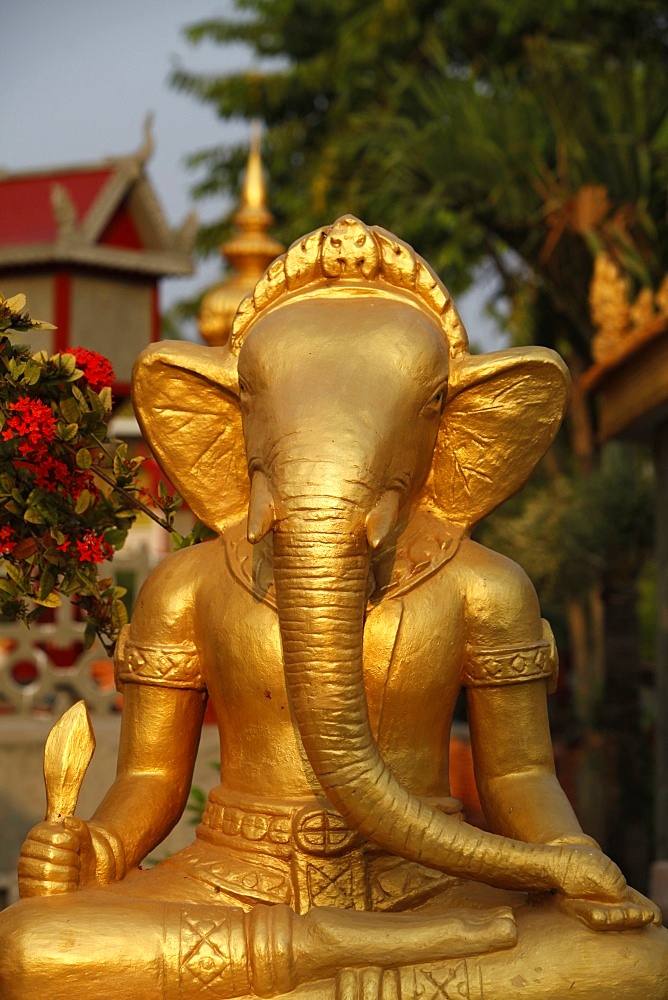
(51, 473)
(34, 421)
(96, 368)
(6, 543)
(81, 481)
(93, 548)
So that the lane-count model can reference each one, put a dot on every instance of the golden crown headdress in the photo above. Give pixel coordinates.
(350, 252)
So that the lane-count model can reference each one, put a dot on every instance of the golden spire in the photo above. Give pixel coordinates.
(249, 251)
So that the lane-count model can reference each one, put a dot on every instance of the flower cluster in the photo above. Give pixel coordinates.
(97, 369)
(93, 548)
(68, 492)
(66, 489)
(33, 421)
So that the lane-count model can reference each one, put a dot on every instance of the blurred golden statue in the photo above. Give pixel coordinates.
(343, 445)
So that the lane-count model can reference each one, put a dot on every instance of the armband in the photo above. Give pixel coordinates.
(513, 664)
(163, 666)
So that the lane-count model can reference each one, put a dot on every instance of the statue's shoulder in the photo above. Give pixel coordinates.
(166, 602)
(500, 600)
(159, 646)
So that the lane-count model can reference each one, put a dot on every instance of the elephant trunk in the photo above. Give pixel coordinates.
(321, 567)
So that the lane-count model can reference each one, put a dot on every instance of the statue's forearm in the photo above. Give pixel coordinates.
(157, 750)
(530, 806)
(140, 810)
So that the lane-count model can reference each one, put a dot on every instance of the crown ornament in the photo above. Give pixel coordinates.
(347, 255)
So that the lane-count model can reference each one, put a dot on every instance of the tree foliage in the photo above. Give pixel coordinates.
(529, 137)
(464, 127)
(525, 135)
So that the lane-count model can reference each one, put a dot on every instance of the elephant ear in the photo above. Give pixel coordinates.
(185, 398)
(502, 413)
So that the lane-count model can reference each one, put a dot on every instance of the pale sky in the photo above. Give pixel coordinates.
(77, 78)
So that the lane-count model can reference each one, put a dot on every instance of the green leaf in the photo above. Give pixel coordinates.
(115, 537)
(96, 404)
(52, 600)
(13, 572)
(66, 364)
(34, 516)
(80, 398)
(84, 460)
(15, 368)
(70, 410)
(105, 398)
(83, 502)
(7, 586)
(99, 431)
(119, 614)
(33, 373)
(46, 584)
(34, 497)
(90, 634)
(67, 432)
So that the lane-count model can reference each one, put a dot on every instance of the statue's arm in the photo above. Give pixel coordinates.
(509, 667)
(514, 764)
(158, 670)
(507, 674)
(163, 707)
(159, 738)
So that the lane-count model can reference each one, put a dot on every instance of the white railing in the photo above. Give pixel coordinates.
(31, 680)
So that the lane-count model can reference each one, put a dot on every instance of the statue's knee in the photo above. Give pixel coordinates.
(20, 949)
(652, 961)
(35, 935)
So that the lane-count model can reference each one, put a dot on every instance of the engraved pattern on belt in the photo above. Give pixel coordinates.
(261, 829)
(323, 833)
(330, 864)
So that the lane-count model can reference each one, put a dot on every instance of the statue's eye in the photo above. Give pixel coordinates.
(242, 386)
(435, 404)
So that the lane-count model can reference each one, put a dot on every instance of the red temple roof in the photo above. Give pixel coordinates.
(26, 206)
(104, 215)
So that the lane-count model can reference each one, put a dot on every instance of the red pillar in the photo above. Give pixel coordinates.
(62, 310)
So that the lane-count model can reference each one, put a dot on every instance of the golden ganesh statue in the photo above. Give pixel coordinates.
(343, 445)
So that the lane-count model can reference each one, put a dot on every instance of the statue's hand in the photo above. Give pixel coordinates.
(630, 913)
(585, 873)
(56, 858)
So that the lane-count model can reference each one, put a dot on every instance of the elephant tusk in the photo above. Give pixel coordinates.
(261, 514)
(382, 518)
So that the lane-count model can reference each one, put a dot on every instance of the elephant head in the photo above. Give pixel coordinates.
(345, 400)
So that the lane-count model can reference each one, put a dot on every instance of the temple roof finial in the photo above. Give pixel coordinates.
(249, 251)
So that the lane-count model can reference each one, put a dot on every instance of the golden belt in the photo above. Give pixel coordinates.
(329, 864)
